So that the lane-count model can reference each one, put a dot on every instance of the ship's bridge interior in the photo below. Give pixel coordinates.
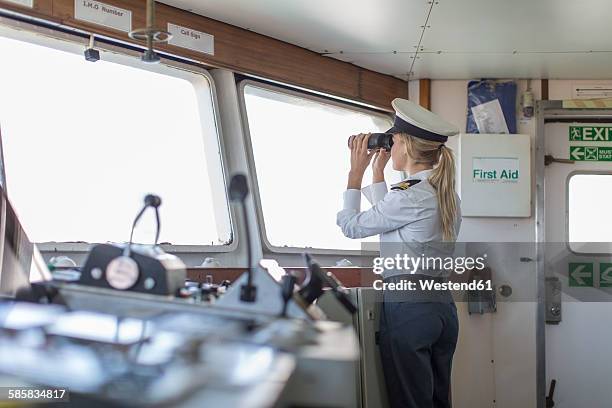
(231, 203)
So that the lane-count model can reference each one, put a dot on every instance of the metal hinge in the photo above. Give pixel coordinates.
(553, 300)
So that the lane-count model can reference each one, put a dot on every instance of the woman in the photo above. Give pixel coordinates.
(420, 216)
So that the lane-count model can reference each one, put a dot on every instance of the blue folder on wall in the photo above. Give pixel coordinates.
(483, 91)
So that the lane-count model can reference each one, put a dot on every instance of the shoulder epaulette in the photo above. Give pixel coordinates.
(404, 185)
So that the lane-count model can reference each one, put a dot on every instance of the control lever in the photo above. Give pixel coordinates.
(313, 289)
(287, 285)
(153, 201)
(142, 268)
(123, 271)
(238, 190)
(340, 293)
(39, 292)
(551, 391)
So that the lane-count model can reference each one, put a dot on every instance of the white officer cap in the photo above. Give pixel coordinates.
(419, 122)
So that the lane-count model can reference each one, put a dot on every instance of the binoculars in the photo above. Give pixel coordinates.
(379, 141)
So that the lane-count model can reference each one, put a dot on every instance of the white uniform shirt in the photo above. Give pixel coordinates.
(408, 221)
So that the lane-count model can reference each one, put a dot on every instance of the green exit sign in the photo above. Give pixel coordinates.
(591, 153)
(580, 274)
(605, 275)
(590, 134)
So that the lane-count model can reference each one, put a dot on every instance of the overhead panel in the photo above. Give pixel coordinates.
(320, 25)
(462, 66)
(396, 64)
(341, 29)
(519, 25)
(462, 39)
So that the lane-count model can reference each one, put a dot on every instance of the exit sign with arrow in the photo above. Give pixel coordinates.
(581, 274)
(590, 153)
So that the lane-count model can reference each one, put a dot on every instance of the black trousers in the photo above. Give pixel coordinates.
(417, 341)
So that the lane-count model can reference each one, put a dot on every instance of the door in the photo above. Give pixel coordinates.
(578, 227)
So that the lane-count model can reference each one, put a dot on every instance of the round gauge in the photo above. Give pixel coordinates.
(122, 273)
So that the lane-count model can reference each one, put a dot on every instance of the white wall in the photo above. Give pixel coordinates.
(449, 100)
(495, 354)
(495, 357)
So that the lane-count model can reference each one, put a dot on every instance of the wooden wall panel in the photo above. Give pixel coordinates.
(41, 9)
(544, 89)
(425, 93)
(253, 53)
(218, 274)
(351, 277)
(376, 88)
(244, 51)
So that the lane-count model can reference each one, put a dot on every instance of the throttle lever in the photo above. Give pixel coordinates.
(287, 285)
(340, 293)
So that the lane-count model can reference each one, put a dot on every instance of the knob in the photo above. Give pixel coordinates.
(505, 290)
(555, 311)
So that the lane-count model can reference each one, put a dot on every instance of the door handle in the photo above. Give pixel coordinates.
(550, 403)
(549, 159)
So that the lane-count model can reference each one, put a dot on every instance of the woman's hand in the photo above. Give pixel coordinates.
(360, 156)
(381, 158)
(360, 159)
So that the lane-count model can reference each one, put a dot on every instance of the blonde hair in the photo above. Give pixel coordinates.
(442, 178)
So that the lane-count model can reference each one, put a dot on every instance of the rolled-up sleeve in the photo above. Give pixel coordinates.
(394, 211)
(375, 192)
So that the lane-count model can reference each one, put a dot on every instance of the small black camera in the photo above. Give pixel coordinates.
(92, 55)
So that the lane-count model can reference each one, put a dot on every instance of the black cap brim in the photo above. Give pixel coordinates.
(401, 126)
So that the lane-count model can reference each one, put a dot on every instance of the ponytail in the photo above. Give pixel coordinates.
(443, 180)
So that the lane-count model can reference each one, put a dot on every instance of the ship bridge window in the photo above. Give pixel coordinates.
(589, 223)
(85, 142)
(301, 157)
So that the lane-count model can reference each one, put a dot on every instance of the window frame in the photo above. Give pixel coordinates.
(567, 210)
(312, 96)
(67, 42)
